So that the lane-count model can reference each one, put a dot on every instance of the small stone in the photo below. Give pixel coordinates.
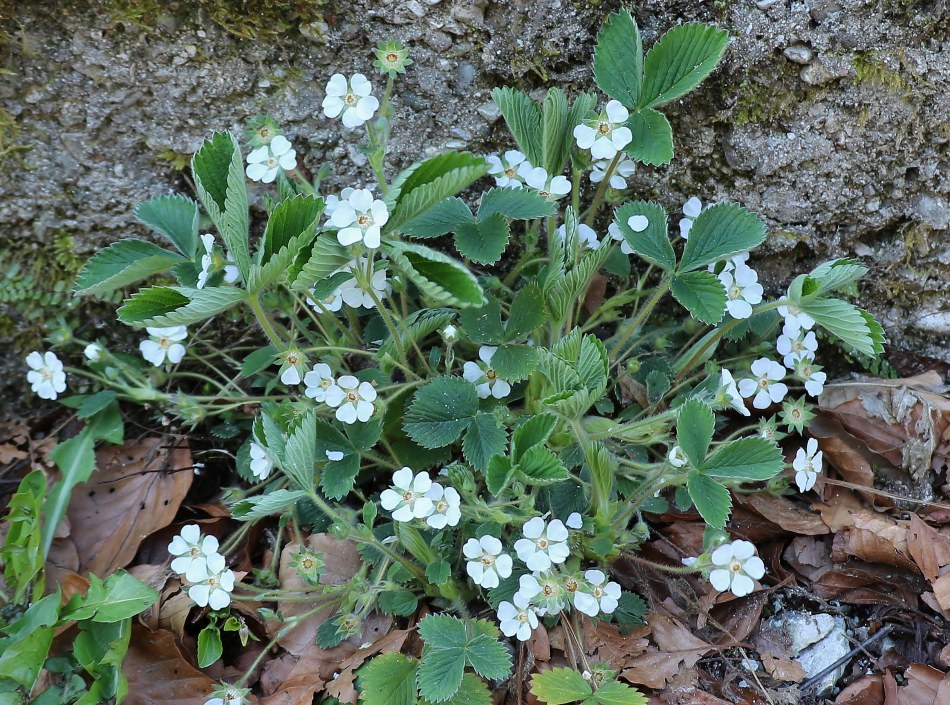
(489, 111)
(765, 4)
(439, 41)
(932, 211)
(415, 8)
(799, 53)
(817, 75)
(465, 76)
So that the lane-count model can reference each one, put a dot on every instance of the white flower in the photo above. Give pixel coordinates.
(354, 295)
(332, 303)
(207, 240)
(264, 163)
(212, 585)
(407, 499)
(518, 619)
(677, 457)
(742, 290)
(691, 209)
(597, 595)
(617, 234)
(807, 465)
(46, 375)
(730, 264)
(574, 521)
(228, 696)
(261, 463)
(543, 544)
(332, 201)
(483, 376)
(359, 219)
(450, 334)
(192, 551)
(446, 506)
(164, 344)
(811, 375)
(766, 385)
(505, 169)
(486, 563)
(618, 180)
(727, 386)
(352, 399)
(318, 380)
(351, 98)
(736, 568)
(537, 178)
(586, 236)
(546, 590)
(606, 135)
(93, 352)
(795, 320)
(796, 345)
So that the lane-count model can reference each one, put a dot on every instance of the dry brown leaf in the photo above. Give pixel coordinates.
(783, 669)
(924, 686)
(869, 690)
(135, 490)
(678, 650)
(929, 548)
(607, 643)
(789, 515)
(736, 619)
(808, 556)
(296, 680)
(867, 585)
(873, 547)
(159, 675)
(843, 452)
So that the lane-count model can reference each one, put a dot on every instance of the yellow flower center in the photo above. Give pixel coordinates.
(392, 57)
(510, 172)
(488, 561)
(604, 128)
(352, 396)
(364, 220)
(292, 358)
(351, 99)
(735, 566)
(764, 383)
(490, 374)
(264, 132)
(442, 506)
(543, 543)
(570, 585)
(407, 496)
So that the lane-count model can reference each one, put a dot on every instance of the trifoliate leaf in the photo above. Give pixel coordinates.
(440, 411)
(388, 679)
(745, 459)
(652, 141)
(483, 241)
(721, 231)
(439, 276)
(651, 243)
(174, 217)
(472, 691)
(679, 61)
(514, 203)
(290, 227)
(694, 430)
(702, 294)
(712, 500)
(618, 59)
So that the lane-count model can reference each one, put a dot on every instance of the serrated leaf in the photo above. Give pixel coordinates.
(653, 243)
(483, 324)
(694, 430)
(388, 679)
(440, 673)
(556, 137)
(439, 572)
(440, 411)
(567, 290)
(514, 363)
(289, 228)
(526, 313)
(745, 459)
(123, 263)
(712, 500)
(400, 603)
(485, 438)
(592, 364)
(175, 218)
(442, 218)
(442, 631)
(558, 686)
(617, 693)
(721, 231)
(472, 691)
(652, 141)
(514, 203)
(523, 117)
(700, 293)
(439, 276)
(846, 321)
(499, 473)
(679, 61)
(324, 257)
(837, 274)
(417, 326)
(618, 59)
(488, 657)
(339, 476)
(275, 502)
(300, 451)
(430, 183)
(483, 241)
(540, 466)
(535, 431)
(178, 305)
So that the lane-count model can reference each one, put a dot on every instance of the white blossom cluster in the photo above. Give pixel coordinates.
(350, 292)
(513, 170)
(198, 560)
(352, 399)
(415, 496)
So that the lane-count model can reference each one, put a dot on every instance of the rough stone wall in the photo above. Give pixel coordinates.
(830, 118)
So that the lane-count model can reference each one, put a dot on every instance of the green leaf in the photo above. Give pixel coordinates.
(416, 327)
(210, 648)
(388, 679)
(76, 461)
(721, 231)
(618, 59)
(514, 203)
(653, 243)
(175, 218)
(540, 466)
(652, 141)
(300, 451)
(442, 218)
(218, 169)
(472, 691)
(178, 305)
(258, 360)
(483, 241)
(324, 257)
(712, 500)
(439, 572)
(339, 476)
(523, 117)
(526, 314)
(440, 674)
(567, 290)
(745, 459)
(679, 61)
(483, 324)
(499, 473)
(95, 403)
(592, 364)
(429, 183)
(488, 657)
(121, 264)
(440, 411)
(837, 274)
(21, 554)
(514, 363)
(274, 502)
(439, 276)
(558, 686)
(846, 321)
(617, 693)
(120, 597)
(400, 603)
(702, 294)
(535, 431)
(485, 438)
(289, 228)
(694, 430)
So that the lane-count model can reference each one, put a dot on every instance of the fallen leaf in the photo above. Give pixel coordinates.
(929, 548)
(869, 690)
(736, 619)
(783, 669)
(677, 650)
(866, 585)
(305, 678)
(790, 516)
(159, 675)
(810, 557)
(135, 490)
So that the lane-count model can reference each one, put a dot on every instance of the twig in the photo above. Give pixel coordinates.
(815, 679)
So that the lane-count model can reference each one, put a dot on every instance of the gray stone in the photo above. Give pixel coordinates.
(799, 53)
